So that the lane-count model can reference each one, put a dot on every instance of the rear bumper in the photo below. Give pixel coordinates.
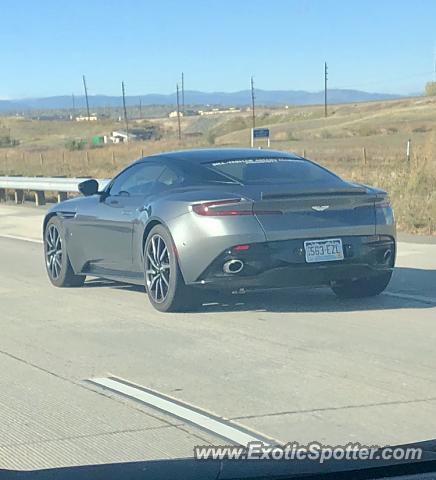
(282, 264)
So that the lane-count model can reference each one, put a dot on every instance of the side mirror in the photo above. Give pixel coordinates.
(88, 187)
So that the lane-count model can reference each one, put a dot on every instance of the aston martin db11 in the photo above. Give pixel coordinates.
(223, 220)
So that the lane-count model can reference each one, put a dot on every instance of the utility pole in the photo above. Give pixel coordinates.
(125, 110)
(178, 112)
(86, 96)
(252, 103)
(183, 94)
(140, 107)
(325, 89)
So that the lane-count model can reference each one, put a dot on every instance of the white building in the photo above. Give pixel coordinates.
(217, 111)
(174, 114)
(121, 137)
(84, 118)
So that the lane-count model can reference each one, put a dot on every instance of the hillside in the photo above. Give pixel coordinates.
(263, 97)
(363, 142)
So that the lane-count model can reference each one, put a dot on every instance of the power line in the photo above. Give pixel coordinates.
(252, 102)
(183, 94)
(178, 113)
(125, 110)
(86, 95)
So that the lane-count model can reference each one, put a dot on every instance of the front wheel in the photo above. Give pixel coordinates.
(363, 287)
(59, 269)
(165, 286)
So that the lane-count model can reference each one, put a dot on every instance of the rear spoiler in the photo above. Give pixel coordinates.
(326, 193)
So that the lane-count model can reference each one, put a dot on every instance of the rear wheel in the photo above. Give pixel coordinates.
(163, 279)
(363, 287)
(59, 269)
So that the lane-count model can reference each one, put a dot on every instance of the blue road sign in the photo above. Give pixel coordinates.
(260, 132)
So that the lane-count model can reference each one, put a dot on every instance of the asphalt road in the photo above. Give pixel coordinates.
(298, 365)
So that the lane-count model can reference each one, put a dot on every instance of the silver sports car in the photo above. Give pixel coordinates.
(223, 220)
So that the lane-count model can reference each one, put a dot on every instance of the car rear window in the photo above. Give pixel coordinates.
(273, 170)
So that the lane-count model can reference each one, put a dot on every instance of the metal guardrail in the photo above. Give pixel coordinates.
(39, 185)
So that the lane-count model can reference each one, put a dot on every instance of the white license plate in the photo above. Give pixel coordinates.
(323, 250)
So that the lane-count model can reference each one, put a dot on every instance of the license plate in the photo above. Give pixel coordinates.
(323, 250)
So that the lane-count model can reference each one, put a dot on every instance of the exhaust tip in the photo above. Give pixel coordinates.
(233, 266)
(387, 255)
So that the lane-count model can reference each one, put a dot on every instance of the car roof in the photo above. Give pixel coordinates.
(206, 155)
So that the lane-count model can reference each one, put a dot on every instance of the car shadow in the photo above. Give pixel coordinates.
(405, 281)
(103, 283)
(318, 300)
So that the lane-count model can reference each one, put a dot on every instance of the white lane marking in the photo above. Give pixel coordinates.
(406, 249)
(407, 253)
(24, 239)
(193, 415)
(416, 298)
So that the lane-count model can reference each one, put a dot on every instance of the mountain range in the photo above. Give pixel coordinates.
(240, 98)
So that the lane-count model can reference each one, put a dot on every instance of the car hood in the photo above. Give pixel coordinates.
(191, 469)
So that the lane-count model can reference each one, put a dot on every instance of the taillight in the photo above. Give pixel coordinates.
(241, 248)
(207, 209)
(384, 202)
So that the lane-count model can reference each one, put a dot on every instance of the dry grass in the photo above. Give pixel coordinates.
(411, 185)
(96, 162)
(337, 142)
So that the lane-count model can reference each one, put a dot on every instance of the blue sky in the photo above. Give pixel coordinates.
(385, 46)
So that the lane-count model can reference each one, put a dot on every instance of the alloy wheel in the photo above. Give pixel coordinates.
(53, 254)
(157, 268)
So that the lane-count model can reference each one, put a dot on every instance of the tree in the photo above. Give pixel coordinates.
(430, 89)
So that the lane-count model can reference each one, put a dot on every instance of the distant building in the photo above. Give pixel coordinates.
(190, 113)
(121, 137)
(150, 132)
(174, 114)
(217, 111)
(84, 118)
(48, 117)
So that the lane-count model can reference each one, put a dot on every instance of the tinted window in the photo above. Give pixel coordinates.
(170, 178)
(195, 174)
(273, 170)
(137, 180)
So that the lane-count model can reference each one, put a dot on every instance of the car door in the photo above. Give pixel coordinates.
(109, 229)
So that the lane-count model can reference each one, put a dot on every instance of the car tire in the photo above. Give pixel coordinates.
(362, 287)
(164, 282)
(59, 269)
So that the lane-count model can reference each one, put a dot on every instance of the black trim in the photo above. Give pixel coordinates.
(282, 264)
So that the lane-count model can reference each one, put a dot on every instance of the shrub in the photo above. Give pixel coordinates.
(430, 89)
(325, 134)
(73, 145)
(210, 137)
(7, 141)
(366, 131)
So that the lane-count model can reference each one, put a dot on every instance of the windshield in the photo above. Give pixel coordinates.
(273, 170)
(217, 235)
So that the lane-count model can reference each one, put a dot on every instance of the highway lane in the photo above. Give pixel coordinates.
(299, 365)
